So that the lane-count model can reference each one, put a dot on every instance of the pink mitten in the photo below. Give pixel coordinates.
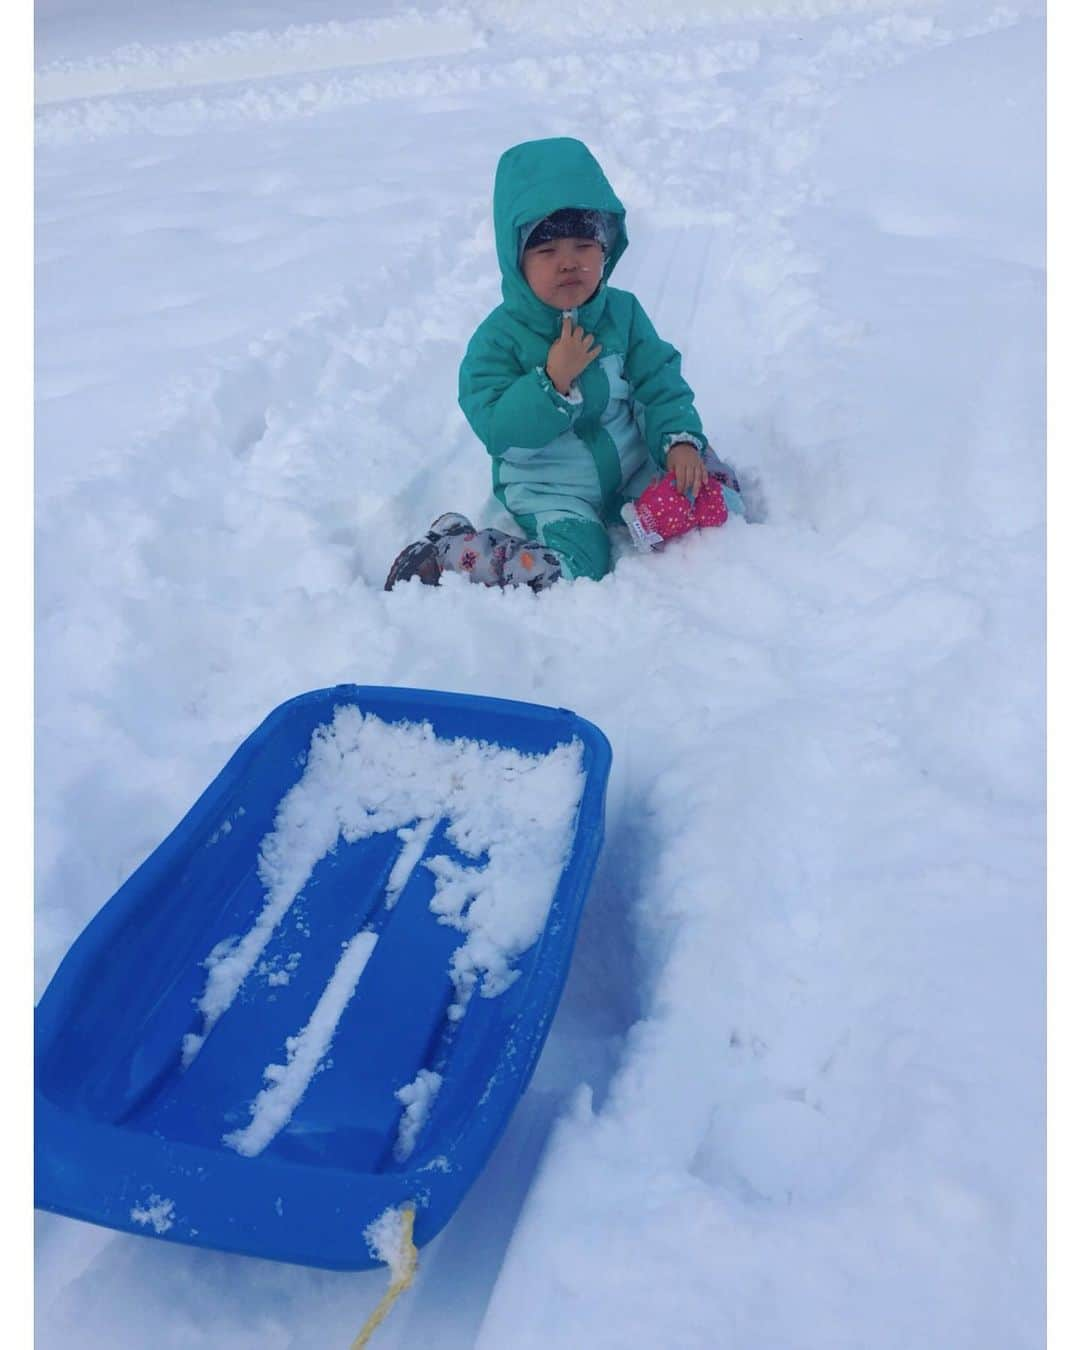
(662, 512)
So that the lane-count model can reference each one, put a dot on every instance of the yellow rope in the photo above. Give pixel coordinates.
(398, 1284)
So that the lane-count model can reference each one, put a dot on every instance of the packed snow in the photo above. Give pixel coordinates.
(286, 1083)
(158, 1213)
(513, 812)
(386, 1239)
(793, 1095)
(414, 839)
(417, 1097)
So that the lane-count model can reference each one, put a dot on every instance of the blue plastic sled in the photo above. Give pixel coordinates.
(129, 1136)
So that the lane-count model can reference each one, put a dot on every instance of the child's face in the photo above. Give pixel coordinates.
(564, 272)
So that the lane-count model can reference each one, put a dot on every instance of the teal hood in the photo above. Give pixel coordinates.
(533, 180)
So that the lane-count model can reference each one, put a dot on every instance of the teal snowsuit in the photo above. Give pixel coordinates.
(564, 466)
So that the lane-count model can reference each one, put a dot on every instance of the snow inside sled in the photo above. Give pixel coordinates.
(323, 994)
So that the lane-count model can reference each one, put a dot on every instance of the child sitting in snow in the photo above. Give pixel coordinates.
(580, 404)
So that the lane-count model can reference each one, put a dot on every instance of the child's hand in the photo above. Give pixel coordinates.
(686, 463)
(569, 354)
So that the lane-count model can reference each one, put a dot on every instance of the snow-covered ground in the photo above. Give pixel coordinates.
(793, 1097)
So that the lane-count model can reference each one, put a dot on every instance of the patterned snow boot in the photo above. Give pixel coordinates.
(415, 560)
(490, 557)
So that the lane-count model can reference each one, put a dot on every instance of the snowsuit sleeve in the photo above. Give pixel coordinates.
(653, 368)
(508, 407)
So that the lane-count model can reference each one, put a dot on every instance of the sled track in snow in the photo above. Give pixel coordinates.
(276, 99)
(246, 57)
(254, 56)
